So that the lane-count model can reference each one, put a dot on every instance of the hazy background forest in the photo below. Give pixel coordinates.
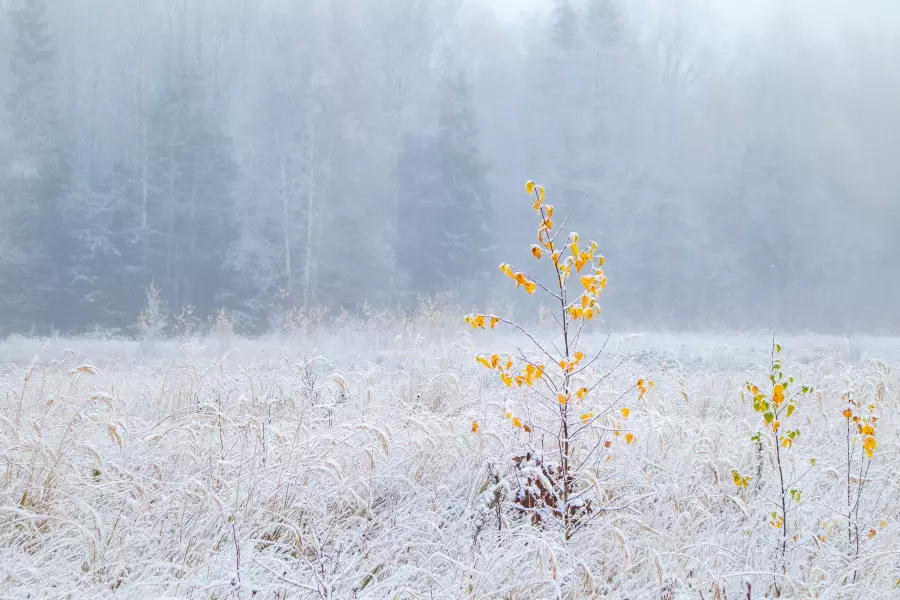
(738, 166)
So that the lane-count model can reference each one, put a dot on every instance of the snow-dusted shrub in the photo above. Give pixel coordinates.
(553, 390)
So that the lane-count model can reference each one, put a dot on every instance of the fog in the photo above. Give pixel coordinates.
(736, 163)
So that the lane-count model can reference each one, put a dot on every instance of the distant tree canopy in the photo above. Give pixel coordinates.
(282, 156)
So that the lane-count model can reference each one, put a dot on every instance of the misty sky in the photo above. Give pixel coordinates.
(827, 16)
(734, 160)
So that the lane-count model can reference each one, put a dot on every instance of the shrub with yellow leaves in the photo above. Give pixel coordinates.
(861, 421)
(554, 380)
(777, 409)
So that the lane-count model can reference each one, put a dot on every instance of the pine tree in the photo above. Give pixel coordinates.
(108, 276)
(603, 22)
(38, 175)
(190, 221)
(565, 24)
(444, 199)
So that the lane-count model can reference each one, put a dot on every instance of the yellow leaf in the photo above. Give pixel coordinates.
(540, 190)
(563, 399)
(509, 362)
(549, 208)
(778, 394)
(494, 321)
(482, 360)
(530, 286)
(544, 238)
(587, 281)
(847, 413)
(555, 258)
(582, 260)
(479, 321)
(474, 426)
(625, 413)
(587, 417)
(495, 361)
(578, 357)
(506, 378)
(530, 372)
(536, 251)
(629, 438)
(869, 445)
(517, 423)
(529, 187)
(581, 393)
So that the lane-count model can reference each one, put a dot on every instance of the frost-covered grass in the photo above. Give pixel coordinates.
(342, 465)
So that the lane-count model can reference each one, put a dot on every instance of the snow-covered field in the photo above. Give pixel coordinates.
(342, 464)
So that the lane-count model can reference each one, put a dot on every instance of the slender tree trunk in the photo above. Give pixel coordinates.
(285, 220)
(170, 234)
(310, 208)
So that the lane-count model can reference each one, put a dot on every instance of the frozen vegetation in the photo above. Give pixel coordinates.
(342, 463)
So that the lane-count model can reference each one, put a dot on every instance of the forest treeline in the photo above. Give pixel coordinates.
(263, 156)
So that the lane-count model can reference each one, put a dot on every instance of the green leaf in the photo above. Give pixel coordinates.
(791, 409)
(769, 417)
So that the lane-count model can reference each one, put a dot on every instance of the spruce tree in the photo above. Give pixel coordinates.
(38, 177)
(191, 220)
(444, 236)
